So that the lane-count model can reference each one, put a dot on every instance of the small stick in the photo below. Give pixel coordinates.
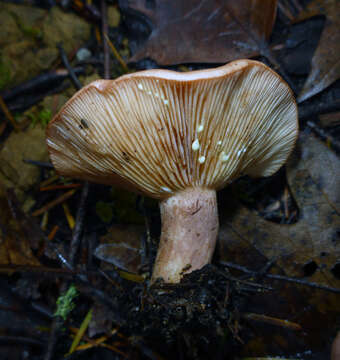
(69, 68)
(8, 115)
(98, 342)
(116, 54)
(272, 320)
(281, 277)
(38, 163)
(78, 228)
(49, 181)
(69, 217)
(38, 84)
(53, 203)
(44, 221)
(58, 187)
(53, 232)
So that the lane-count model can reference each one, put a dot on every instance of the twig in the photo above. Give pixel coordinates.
(146, 241)
(244, 282)
(69, 216)
(38, 83)
(116, 54)
(49, 181)
(38, 163)
(272, 320)
(8, 115)
(60, 187)
(53, 203)
(78, 229)
(53, 232)
(87, 10)
(69, 68)
(31, 92)
(92, 291)
(27, 101)
(105, 29)
(281, 277)
(98, 342)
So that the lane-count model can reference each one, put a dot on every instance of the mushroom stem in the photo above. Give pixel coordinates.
(189, 232)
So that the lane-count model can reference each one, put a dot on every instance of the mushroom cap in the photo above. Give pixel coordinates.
(159, 131)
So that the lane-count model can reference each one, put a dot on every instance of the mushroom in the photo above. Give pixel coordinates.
(178, 137)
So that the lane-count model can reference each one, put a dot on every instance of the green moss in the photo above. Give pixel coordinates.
(65, 302)
(42, 117)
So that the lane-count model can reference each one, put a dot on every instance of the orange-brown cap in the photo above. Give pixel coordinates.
(158, 131)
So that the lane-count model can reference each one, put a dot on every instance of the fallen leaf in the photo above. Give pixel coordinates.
(205, 31)
(314, 178)
(120, 247)
(120, 255)
(308, 249)
(326, 60)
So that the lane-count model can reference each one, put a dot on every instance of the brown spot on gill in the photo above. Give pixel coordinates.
(83, 124)
(126, 156)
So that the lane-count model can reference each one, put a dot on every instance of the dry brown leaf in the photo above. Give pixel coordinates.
(248, 239)
(314, 178)
(215, 31)
(326, 60)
